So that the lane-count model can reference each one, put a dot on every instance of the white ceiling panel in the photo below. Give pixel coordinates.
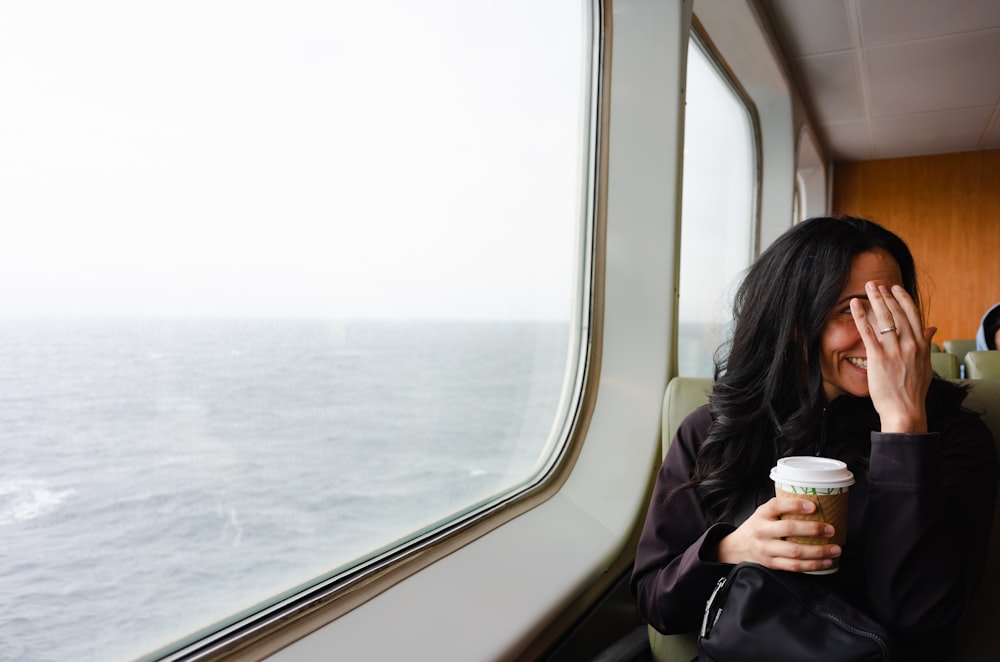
(894, 21)
(930, 133)
(849, 141)
(834, 86)
(818, 26)
(890, 78)
(922, 76)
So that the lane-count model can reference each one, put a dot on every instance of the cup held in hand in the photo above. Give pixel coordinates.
(825, 482)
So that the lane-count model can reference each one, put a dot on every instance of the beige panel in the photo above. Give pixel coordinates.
(947, 208)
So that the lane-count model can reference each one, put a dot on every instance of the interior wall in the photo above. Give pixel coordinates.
(947, 209)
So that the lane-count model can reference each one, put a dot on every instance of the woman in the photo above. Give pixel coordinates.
(988, 335)
(829, 356)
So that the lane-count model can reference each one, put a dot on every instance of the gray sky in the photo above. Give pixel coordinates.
(718, 211)
(292, 159)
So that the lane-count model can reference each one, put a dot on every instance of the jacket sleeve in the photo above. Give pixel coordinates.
(928, 522)
(674, 570)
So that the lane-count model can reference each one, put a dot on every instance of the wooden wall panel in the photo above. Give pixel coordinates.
(947, 209)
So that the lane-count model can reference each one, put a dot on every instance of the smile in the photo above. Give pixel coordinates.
(861, 363)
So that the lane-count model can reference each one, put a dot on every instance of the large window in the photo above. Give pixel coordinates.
(283, 285)
(718, 210)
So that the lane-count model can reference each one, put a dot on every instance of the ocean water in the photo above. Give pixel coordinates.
(160, 476)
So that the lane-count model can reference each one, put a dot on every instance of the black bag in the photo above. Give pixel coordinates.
(758, 614)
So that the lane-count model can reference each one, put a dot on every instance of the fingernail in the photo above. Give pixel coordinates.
(828, 531)
(835, 550)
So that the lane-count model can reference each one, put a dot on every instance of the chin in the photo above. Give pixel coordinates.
(859, 391)
(856, 387)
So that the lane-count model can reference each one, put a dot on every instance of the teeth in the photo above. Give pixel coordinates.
(861, 363)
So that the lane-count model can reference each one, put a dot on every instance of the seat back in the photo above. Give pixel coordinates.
(959, 347)
(982, 365)
(979, 638)
(683, 395)
(945, 365)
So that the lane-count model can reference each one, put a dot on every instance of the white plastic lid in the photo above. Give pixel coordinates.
(812, 472)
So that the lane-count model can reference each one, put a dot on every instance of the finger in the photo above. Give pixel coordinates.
(868, 335)
(899, 317)
(787, 549)
(883, 315)
(805, 558)
(778, 506)
(795, 565)
(816, 531)
(910, 309)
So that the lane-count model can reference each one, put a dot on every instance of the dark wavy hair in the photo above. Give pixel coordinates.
(768, 397)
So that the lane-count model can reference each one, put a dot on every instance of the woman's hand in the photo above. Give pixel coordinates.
(898, 350)
(761, 538)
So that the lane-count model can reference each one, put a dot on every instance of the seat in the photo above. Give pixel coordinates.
(959, 347)
(945, 365)
(683, 395)
(982, 364)
(979, 638)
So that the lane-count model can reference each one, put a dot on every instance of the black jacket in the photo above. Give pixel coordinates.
(919, 522)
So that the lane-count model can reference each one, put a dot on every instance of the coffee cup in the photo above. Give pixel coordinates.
(825, 482)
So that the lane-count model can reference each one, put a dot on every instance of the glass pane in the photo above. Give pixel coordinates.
(282, 284)
(717, 211)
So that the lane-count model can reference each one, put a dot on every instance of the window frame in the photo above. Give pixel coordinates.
(305, 609)
(581, 537)
(810, 175)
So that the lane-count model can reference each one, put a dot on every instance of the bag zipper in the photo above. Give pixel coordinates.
(817, 609)
(708, 607)
(882, 644)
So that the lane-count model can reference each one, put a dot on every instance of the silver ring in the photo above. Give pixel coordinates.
(887, 330)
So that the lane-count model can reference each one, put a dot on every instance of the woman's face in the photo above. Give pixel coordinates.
(843, 360)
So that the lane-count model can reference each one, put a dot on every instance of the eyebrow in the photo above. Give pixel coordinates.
(852, 296)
